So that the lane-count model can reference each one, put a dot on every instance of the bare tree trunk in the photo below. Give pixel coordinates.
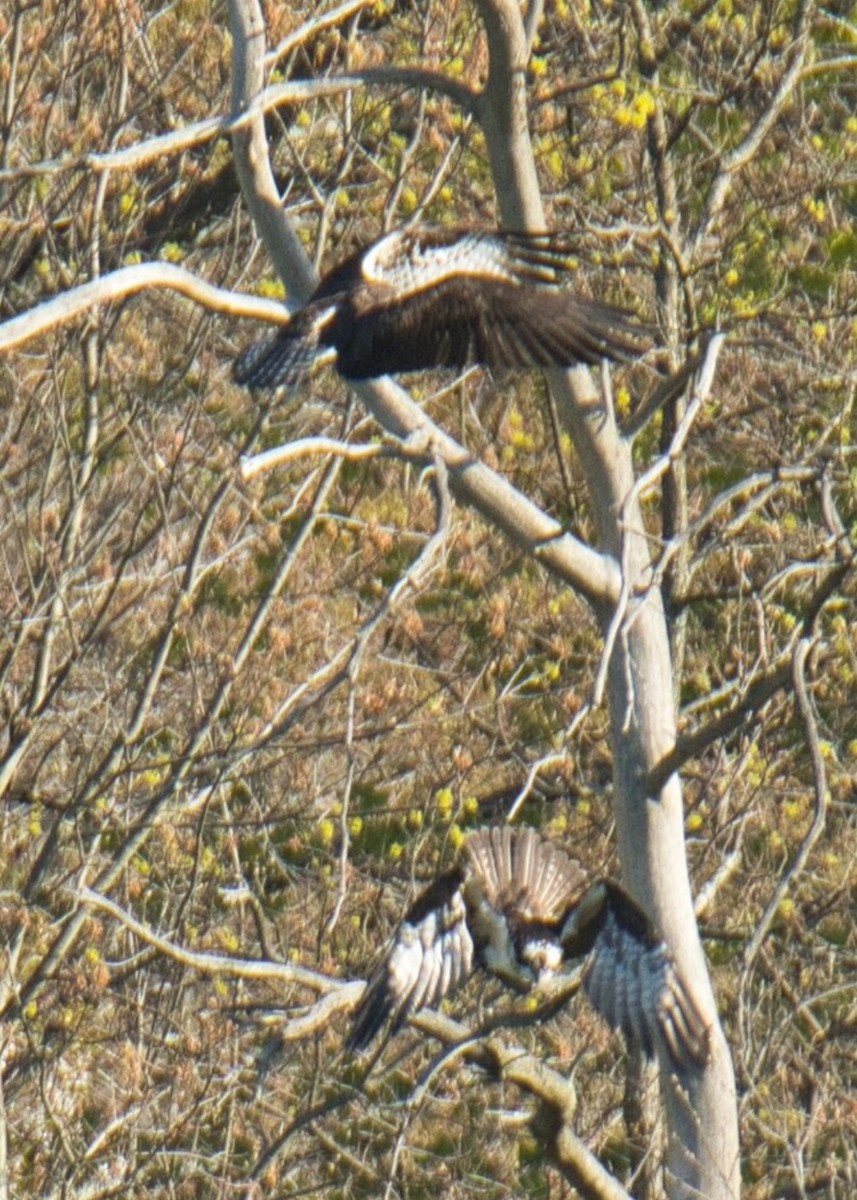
(703, 1151)
(702, 1157)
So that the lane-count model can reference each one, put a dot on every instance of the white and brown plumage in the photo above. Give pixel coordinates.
(431, 296)
(520, 907)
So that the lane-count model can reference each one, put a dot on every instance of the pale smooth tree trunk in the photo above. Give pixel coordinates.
(701, 1111)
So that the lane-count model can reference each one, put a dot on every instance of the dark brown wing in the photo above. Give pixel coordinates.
(430, 955)
(472, 319)
(631, 979)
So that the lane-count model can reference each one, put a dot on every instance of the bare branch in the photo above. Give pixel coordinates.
(757, 694)
(267, 460)
(279, 95)
(311, 28)
(747, 712)
(215, 964)
(787, 879)
(740, 155)
(556, 1096)
(127, 281)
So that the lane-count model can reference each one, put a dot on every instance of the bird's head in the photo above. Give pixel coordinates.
(543, 955)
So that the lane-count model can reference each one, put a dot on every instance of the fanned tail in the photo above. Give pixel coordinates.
(516, 866)
(278, 360)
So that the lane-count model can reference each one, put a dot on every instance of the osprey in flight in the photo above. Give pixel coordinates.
(520, 907)
(432, 296)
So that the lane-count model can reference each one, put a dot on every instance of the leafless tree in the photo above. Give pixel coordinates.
(242, 704)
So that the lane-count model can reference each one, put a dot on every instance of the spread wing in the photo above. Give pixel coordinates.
(513, 888)
(430, 955)
(468, 318)
(444, 297)
(454, 296)
(631, 978)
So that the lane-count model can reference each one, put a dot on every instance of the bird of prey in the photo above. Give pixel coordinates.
(430, 296)
(518, 906)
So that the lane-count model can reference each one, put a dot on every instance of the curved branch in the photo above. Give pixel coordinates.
(312, 27)
(740, 155)
(250, 151)
(555, 1094)
(297, 92)
(691, 745)
(806, 712)
(267, 460)
(127, 281)
(760, 691)
(222, 964)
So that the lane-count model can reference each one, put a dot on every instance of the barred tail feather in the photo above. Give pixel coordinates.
(275, 361)
(515, 866)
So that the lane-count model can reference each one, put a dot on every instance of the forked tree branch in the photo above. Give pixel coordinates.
(221, 964)
(748, 711)
(554, 1092)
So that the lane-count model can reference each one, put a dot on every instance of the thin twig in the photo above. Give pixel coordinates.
(806, 711)
(647, 480)
(256, 464)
